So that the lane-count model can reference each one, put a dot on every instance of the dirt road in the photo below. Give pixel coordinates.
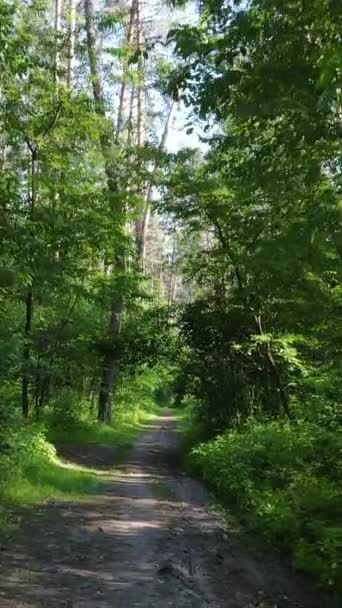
(147, 540)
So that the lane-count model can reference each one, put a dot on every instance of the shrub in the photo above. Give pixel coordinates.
(23, 445)
(286, 478)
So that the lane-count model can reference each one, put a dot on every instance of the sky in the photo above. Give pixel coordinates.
(163, 18)
(178, 138)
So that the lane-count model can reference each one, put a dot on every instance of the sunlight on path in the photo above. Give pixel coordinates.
(146, 539)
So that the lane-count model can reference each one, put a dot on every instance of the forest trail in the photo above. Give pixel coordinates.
(148, 539)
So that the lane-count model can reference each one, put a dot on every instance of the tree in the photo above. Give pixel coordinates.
(269, 181)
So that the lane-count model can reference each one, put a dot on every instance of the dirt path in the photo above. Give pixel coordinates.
(147, 540)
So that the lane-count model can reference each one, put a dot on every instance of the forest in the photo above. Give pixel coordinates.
(171, 240)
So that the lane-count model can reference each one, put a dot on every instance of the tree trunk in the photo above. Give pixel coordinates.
(93, 62)
(111, 359)
(25, 401)
(143, 228)
(110, 366)
(58, 24)
(130, 118)
(120, 118)
(140, 86)
(171, 290)
(27, 354)
(270, 361)
(71, 50)
(274, 371)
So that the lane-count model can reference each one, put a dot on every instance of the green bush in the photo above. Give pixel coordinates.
(322, 555)
(67, 410)
(287, 479)
(29, 470)
(22, 446)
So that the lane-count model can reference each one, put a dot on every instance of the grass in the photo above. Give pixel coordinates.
(31, 473)
(48, 479)
(121, 434)
(45, 477)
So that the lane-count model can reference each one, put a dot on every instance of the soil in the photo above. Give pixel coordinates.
(148, 538)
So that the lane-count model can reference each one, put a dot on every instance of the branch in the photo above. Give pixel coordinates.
(226, 246)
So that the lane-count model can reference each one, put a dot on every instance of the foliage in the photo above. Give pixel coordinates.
(263, 332)
(22, 445)
(136, 403)
(238, 309)
(31, 473)
(62, 218)
(286, 479)
(263, 206)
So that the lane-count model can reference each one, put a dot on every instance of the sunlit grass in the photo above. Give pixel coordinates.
(120, 434)
(39, 476)
(49, 479)
(42, 480)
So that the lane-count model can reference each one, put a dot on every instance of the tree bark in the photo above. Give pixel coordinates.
(27, 354)
(143, 228)
(270, 361)
(71, 50)
(172, 285)
(25, 400)
(274, 370)
(110, 367)
(58, 24)
(111, 360)
(123, 89)
(130, 118)
(140, 87)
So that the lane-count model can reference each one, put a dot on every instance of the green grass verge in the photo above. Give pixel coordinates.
(33, 474)
(44, 478)
(121, 433)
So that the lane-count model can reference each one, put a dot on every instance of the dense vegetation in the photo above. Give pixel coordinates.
(216, 269)
(263, 331)
(76, 177)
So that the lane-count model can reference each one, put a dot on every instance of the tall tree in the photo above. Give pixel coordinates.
(107, 139)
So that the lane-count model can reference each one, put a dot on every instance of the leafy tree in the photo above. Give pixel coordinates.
(268, 192)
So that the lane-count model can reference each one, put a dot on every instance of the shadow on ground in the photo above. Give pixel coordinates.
(146, 539)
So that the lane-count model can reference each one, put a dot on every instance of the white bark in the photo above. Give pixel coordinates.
(58, 27)
(140, 87)
(72, 40)
(123, 89)
(148, 198)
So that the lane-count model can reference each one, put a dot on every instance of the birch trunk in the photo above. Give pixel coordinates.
(123, 89)
(140, 87)
(142, 236)
(72, 38)
(58, 25)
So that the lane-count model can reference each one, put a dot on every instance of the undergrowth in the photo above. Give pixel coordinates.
(285, 481)
(135, 404)
(31, 474)
(30, 471)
